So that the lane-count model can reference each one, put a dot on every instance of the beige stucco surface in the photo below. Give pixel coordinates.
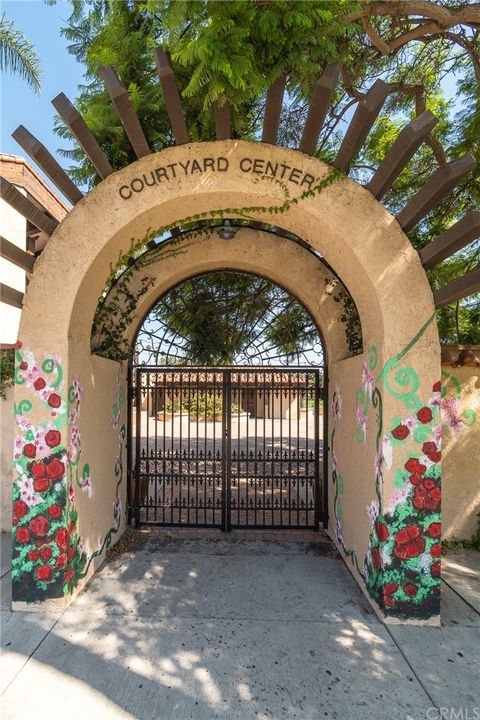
(461, 452)
(354, 233)
(6, 455)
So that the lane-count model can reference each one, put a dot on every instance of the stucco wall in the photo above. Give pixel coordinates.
(377, 263)
(6, 454)
(461, 451)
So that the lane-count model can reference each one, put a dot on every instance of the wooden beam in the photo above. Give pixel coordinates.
(82, 132)
(319, 104)
(47, 163)
(273, 109)
(222, 121)
(10, 296)
(435, 189)
(172, 97)
(25, 207)
(16, 255)
(402, 150)
(365, 115)
(126, 112)
(449, 242)
(463, 286)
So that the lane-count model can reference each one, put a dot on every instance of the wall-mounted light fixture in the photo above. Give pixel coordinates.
(226, 230)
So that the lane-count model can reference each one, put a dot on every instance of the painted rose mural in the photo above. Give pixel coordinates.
(401, 569)
(47, 554)
(49, 557)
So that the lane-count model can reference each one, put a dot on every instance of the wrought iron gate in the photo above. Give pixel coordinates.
(226, 447)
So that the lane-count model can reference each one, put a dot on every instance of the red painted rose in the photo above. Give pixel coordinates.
(415, 479)
(424, 415)
(428, 448)
(418, 503)
(389, 601)
(39, 383)
(400, 551)
(69, 575)
(428, 483)
(22, 535)
(30, 450)
(39, 526)
(382, 532)
(376, 560)
(402, 537)
(435, 494)
(55, 469)
(436, 550)
(413, 531)
(41, 484)
(54, 400)
(20, 509)
(24, 365)
(61, 561)
(38, 470)
(61, 538)
(71, 553)
(435, 569)
(435, 456)
(53, 438)
(72, 527)
(434, 530)
(390, 588)
(400, 432)
(46, 553)
(38, 543)
(411, 465)
(437, 386)
(55, 511)
(32, 555)
(410, 589)
(44, 573)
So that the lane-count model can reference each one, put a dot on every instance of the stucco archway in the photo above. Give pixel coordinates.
(383, 413)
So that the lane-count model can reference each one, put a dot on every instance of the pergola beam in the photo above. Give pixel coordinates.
(435, 189)
(16, 255)
(463, 286)
(365, 115)
(318, 109)
(172, 97)
(402, 150)
(222, 121)
(452, 240)
(82, 132)
(273, 110)
(126, 112)
(10, 296)
(46, 162)
(25, 207)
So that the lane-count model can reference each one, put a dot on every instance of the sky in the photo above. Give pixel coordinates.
(60, 73)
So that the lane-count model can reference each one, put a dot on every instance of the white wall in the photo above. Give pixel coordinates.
(13, 228)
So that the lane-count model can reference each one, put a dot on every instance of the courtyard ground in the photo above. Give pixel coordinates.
(198, 625)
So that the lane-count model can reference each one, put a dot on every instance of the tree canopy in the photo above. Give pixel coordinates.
(428, 52)
(17, 54)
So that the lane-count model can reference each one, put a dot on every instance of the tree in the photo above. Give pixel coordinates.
(227, 318)
(17, 54)
(232, 51)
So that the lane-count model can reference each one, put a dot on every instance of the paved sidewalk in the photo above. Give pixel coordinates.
(210, 628)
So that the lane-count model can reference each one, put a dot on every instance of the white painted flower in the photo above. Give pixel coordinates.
(368, 381)
(450, 412)
(372, 513)
(78, 388)
(58, 486)
(379, 464)
(27, 493)
(337, 404)
(86, 485)
(80, 546)
(117, 512)
(23, 422)
(426, 562)
(387, 451)
(362, 419)
(338, 530)
(437, 435)
(334, 463)
(385, 556)
(411, 421)
(398, 496)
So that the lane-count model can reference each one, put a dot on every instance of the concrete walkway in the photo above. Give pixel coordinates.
(256, 630)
